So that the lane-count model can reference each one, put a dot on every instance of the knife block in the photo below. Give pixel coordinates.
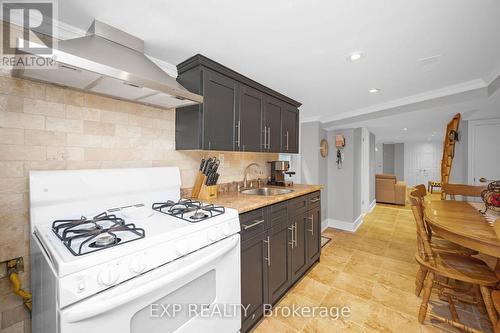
(208, 192)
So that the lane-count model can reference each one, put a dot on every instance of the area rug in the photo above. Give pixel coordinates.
(324, 240)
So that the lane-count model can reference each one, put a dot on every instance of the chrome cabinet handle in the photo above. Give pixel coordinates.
(265, 137)
(256, 222)
(313, 200)
(286, 140)
(295, 238)
(269, 138)
(268, 244)
(312, 224)
(292, 229)
(239, 133)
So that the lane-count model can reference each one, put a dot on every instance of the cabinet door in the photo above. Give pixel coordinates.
(220, 97)
(249, 120)
(290, 130)
(279, 271)
(253, 280)
(298, 253)
(313, 231)
(272, 124)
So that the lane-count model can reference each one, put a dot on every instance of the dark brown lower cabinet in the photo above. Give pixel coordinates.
(299, 256)
(253, 278)
(279, 270)
(279, 244)
(313, 230)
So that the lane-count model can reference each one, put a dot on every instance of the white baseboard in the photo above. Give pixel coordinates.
(344, 225)
(372, 206)
(324, 225)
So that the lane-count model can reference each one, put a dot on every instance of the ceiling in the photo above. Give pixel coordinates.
(426, 124)
(300, 47)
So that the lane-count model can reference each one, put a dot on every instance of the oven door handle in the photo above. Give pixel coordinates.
(102, 304)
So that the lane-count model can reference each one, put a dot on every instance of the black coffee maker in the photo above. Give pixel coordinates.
(278, 171)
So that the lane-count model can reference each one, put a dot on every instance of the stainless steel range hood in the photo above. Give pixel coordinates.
(111, 62)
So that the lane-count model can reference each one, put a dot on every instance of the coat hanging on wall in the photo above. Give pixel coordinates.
(339, 144)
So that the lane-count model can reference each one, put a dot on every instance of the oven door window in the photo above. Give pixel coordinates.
(174, 310)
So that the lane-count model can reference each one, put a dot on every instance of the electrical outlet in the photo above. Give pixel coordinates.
(221, 159)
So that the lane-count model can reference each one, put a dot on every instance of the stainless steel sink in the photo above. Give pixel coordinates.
(266, 191)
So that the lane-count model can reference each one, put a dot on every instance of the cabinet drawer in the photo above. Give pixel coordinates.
(278, 213)
(252, 223)
(314, 200)
(298, 205)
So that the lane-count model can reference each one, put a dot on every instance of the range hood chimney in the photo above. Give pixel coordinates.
(111, 62)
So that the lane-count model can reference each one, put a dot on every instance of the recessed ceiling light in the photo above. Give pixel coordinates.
(355, 56)
(373, 90)
(405, 129)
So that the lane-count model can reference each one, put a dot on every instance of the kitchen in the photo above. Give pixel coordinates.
(134, 159)
(210, 166)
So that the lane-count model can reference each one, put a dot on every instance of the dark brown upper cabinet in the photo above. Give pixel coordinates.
(271, 123)
(249, 134)
(238, 114)
(290, 130)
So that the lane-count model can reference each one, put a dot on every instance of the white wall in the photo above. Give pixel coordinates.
(379, 158)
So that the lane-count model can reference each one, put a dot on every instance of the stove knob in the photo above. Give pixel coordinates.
(226, 230)
(137, 265)
(181, 248)
(212, 235)
(108, 276)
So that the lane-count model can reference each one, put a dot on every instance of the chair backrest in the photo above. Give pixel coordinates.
(386, 177)
(461, 189)
(424, 247)
(496, 226)
(422, 191)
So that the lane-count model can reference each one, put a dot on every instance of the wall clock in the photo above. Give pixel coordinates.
(323, 148)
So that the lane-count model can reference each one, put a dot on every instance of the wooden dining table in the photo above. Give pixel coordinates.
(461, 222)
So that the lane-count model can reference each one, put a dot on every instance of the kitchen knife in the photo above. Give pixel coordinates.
(202, 165)
(206, 167)
(210, 176)
(216, 178)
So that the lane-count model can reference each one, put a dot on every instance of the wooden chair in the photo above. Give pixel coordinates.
(433, 184)
(439, 265)
(461, 189)
(495, 294)
(437, 243)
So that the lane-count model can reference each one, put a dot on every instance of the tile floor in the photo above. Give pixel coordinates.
(372, 271)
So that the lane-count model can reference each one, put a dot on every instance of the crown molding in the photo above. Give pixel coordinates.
(310, 119)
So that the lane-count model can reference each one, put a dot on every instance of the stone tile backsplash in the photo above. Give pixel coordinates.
(46, 127)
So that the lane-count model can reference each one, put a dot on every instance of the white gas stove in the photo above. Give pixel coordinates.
(118, 230)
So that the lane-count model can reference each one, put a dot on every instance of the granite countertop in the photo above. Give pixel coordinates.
(247, 202)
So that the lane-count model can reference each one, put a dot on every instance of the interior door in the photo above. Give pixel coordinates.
(485, 151)
(422, 162)
(220, 97)
(249, 120)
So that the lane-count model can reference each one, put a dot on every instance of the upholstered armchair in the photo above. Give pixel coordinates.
(389, 190)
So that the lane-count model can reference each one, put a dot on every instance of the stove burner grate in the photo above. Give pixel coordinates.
(83, 236)
(189, 210)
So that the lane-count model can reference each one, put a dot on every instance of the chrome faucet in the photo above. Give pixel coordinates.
(245, 173)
